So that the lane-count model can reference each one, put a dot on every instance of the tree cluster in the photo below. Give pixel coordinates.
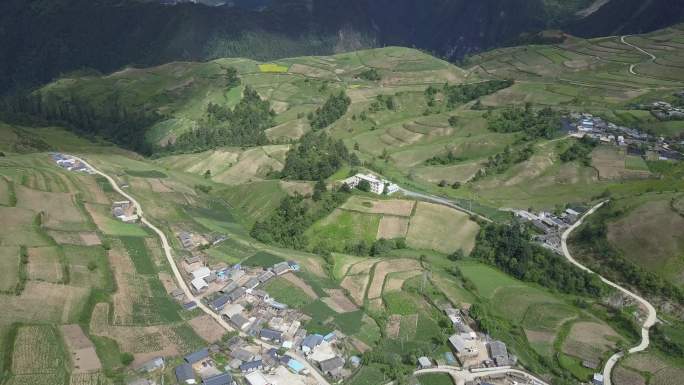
(244, 125)
(316, 157)
(510, 248)
(444, 159)
(379, 247)
(464, 93)
(371, 75)
(580, 150)
(294, 215)
(333, 109)
(112, 120)
(383, 102)
(541, 124)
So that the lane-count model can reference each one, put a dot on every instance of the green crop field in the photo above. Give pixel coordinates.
(435, 379)
(344, 228)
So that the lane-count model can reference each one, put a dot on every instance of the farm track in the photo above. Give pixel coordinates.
(650, 319)
(632, 66)
(181, 282)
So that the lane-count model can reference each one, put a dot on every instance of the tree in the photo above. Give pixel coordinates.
(333, 109)
(319, 189)
(456, 255)
(443, 183)
(364, 185)
(456, 185)
(207, 174)
(126, 358)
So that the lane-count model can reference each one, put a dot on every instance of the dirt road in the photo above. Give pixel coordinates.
(179, 278)
(651, 312)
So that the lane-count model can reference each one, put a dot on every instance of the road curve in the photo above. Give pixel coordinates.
(650, 318)
(179, 277)
(461, 376)
(632, 66)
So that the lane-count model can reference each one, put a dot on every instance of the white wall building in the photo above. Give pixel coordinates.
(377, 185)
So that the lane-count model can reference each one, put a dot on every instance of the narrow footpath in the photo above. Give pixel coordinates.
(181, 282)
(645, 305)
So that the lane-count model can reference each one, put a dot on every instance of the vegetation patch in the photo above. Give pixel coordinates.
(146, 173)
(272, 68)
(435, 227)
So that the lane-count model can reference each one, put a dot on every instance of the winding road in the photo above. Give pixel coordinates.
(632, 66)
(179, 277)
(645, 305)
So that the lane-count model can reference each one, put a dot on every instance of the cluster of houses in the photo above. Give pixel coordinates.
(550, 227)
(124, 211)
(377, 185)
(69, 163)
(635, 141)
(666, 111)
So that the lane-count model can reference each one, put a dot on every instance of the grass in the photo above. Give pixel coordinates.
(262, 259)
(146, 173)
(574, 366)
(286, 292)
(435, 227)
(400, 303)
(9, 268)
(137, 250)
(635, 163)
(368, 375)
(342, 228)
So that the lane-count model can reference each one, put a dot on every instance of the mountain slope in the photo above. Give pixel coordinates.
(41, 39)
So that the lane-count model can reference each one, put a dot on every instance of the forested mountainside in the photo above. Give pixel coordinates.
(41, 39)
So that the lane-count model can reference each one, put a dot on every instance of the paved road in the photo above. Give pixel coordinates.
(440, 201)
(651, 312)
(631, 67)
(461, 376)
(181, 282)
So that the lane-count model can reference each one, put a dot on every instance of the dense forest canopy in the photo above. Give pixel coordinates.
(316, 157)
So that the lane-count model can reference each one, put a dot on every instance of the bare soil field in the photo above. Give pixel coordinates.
(356, 285)
(385, 267)
(297, 281)
(393, 326)
(589, 340)
(397, 207)
(435, 227)
(83, 355)
(207, 328)
(339, 302)
(624, 376)
(59, 208)
(44, 264)
(392, 227)
(395, 281)
(124, 274)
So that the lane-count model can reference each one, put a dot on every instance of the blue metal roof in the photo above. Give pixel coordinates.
(197, 356)
(184, 372)
(220, 379)
(295, 365)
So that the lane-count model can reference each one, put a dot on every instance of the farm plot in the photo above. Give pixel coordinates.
(435, 227)
(9, 268)
(59, 208)
(6, 192)
(45, 264)
(44, 301)
(84, 238)
(611, 165)
(356, 285)
(342, 228)
(382, 269)
(395, 207)
(20, 229)
(338, 301)
(83, 356)
(207, 328)
(590, 340)
(392, 227)
(38, 349)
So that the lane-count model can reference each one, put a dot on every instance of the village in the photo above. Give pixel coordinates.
(270, 344)
(580, 125)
